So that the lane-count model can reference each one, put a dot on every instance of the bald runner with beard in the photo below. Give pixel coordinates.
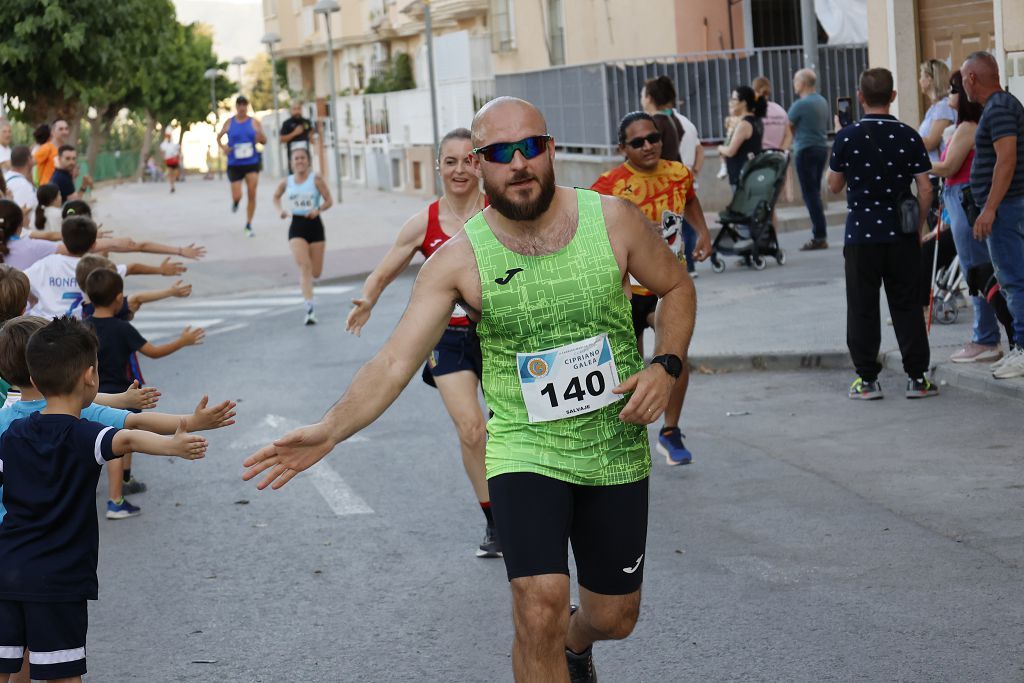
(544, 271)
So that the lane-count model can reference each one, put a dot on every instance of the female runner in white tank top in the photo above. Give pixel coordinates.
(308, 197)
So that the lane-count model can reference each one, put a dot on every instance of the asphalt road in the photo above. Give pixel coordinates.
(812, 539)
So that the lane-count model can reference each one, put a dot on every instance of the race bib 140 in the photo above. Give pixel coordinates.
(570, 380)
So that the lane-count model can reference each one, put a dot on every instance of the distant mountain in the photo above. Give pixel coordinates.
(237, 25)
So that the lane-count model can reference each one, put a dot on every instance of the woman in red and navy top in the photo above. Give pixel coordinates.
(455, 365)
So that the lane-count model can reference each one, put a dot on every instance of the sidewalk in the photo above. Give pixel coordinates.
(784, 317)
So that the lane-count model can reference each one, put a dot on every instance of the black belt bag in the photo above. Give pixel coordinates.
(970, 207)
(906, 203)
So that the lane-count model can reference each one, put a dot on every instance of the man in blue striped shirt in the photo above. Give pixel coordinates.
(997, 184)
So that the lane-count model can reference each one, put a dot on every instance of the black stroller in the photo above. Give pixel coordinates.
(747, 229)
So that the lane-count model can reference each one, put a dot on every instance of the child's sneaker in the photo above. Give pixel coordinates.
(133, 486)
(865, 391)
(922, 387)
(122, 509)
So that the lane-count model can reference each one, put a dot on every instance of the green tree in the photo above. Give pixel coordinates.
(398, 76)
(259, 77)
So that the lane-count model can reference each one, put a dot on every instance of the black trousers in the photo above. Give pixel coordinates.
(895, 266)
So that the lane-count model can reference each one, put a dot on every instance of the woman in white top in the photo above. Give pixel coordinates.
(934, 82)
(308, 197)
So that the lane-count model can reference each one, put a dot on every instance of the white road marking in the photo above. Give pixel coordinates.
(229, 328)
(179, 311)
(339, 496)
(144, 325)
(248, 301)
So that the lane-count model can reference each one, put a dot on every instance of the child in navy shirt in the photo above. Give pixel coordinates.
(50, 464)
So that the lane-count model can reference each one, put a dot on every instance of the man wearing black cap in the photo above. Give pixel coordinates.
(243, 159)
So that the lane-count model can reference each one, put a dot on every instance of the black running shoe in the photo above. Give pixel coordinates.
(581, 666)
(921, 388)
(490, 546)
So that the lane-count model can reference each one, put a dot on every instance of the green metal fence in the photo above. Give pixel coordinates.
(112, 165)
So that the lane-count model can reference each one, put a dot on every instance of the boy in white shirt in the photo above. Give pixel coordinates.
(54, 286)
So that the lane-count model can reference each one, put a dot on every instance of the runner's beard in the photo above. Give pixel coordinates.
(523, 210)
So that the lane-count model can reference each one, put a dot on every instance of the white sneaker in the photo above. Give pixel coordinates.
(310, 318)
(1012, 365)
(999, 363)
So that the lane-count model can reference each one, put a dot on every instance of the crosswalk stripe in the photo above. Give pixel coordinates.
(339, 496)
(179, 312)
(166, 324)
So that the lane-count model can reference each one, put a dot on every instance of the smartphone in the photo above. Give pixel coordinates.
(844, 110)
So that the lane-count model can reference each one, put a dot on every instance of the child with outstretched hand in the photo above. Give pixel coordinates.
(14, 339)
(50, 463)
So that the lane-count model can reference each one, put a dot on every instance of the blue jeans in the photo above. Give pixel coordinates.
(810, 165)
(972, 253)
(689, 243)
(1006, 247)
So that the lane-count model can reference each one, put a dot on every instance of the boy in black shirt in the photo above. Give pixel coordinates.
(119, 342)
(50, 465)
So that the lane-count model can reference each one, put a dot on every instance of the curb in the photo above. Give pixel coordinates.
(967, 377)
(826, 360)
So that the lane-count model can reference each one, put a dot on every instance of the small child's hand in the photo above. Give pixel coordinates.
(193, 251)
(180, 289)
(187, 446)
(169, 267)
(104, 234)
(141, 398)
(192, 337)
(215, 417)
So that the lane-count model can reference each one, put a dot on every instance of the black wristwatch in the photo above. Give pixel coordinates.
(672, 364)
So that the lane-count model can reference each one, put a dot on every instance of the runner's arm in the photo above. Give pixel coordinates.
(278, 193)
(409, 239)
(694, 215)
(655, 267)
(376, 385)
(222, 133)
(260, 136)
(325, 193)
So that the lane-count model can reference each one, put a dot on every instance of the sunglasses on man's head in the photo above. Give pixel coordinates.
(502, 152)
(637, 143)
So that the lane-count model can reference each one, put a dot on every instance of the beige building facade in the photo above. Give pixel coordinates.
(904, 33)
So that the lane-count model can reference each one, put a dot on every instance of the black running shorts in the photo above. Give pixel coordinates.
(459, 349)
(643, 305)
(237, 173)
(309, 229)
(537, 516)
(54, 632)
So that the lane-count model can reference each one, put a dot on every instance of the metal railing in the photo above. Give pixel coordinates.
(583, 104)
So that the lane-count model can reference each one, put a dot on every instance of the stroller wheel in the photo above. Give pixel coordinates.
(946, 312)
(759, 262)
(780, 257)
(717, 264)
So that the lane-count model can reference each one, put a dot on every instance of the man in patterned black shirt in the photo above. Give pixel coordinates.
(876, 159)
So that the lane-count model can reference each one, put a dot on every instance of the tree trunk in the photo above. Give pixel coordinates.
(100, 129)
(147, 141)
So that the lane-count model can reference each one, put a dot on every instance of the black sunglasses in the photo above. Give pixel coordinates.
(502, 152)
(637, 143)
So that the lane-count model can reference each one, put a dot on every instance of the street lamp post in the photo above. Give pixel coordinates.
(211, 75)
(239, 62)
(327, 8)
(270, 39)
(428, 28)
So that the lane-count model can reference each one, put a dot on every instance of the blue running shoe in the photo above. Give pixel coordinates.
(670, 444)
(122, 509)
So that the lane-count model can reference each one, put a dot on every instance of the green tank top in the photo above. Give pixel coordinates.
(532, 304)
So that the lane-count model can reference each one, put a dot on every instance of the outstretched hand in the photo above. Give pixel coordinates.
(141, 398)
(206, 416)
(296, 451)
(187, 446)
(651, 388)
(358, 316)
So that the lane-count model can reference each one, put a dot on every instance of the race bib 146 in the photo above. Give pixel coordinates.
(570, 380)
